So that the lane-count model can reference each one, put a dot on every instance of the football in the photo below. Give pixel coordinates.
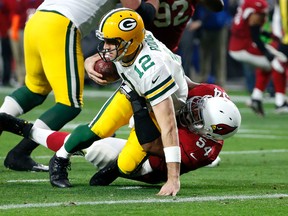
(107, 69)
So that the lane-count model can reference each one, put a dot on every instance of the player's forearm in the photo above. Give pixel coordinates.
(172, 154)
(173, 171)
(146, 9)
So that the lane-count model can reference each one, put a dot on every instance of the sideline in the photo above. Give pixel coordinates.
(168, 200)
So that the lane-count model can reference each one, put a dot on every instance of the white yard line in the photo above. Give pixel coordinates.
(168, 200)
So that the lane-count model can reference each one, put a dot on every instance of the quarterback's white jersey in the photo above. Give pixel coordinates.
(156, 73)
(85, 14)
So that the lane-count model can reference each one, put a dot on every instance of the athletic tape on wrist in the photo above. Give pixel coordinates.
(172, 154)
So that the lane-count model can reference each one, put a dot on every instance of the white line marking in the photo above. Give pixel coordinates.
(255, 151)
(261, 136)
(130, 187)
(28, 180)
(168, 200)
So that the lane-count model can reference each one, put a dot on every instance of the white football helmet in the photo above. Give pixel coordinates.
(215, 118)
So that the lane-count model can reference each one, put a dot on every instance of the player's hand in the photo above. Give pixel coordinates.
(92, 74)
(170, 188)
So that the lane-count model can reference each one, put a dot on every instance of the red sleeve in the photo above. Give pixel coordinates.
(196, 151)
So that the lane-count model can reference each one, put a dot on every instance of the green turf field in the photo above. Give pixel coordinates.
(252, 178)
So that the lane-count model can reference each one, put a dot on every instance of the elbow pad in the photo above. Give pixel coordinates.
(147, 12)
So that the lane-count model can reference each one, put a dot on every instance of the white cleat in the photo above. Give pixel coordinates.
(282, 109)
(215, 163)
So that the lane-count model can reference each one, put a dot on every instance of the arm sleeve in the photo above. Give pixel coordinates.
(145, 128)
(147, 12)
(255, 34)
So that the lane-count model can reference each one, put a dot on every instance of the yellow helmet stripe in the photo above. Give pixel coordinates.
(105, 17)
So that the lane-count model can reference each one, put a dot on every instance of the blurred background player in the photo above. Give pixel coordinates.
(245, 45)
(213, 35)
(172, 17)
(6, 51)
(56, 63)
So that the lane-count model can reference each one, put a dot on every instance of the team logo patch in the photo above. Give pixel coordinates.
(222, 129)
(127, 24)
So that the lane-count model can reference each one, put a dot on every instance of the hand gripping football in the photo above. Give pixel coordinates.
(107, 69)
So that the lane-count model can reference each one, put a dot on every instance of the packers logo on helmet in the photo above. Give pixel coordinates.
(127, 24)
(123, 26)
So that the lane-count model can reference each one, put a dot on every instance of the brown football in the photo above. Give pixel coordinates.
(107, 69)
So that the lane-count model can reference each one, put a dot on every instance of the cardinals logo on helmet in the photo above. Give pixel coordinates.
(222, 129)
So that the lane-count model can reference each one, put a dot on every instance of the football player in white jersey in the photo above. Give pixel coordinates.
(155, 73)
(54, 62)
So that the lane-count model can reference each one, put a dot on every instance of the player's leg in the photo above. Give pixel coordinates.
(279, 80)
(261, 81)
(62, 71)
(115, 113)
(130, 158)
(21, 101)
(280, 66)
(103, 152)
(138, 144)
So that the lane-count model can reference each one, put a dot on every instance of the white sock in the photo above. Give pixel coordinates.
(257, 94)
(279, 99)
(40, 135)
(63, 153)
(40, 124)
(10, 106)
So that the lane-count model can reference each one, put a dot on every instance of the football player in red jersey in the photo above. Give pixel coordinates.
(245, 45)
(200, 140)
(202, 127)
(172, 17)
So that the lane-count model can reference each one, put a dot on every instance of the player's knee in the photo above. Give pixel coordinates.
(125, 166)
(128, 163)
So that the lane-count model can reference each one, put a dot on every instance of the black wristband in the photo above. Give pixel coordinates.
(147, 11)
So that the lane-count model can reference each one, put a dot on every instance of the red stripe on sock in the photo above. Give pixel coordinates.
(56, 140)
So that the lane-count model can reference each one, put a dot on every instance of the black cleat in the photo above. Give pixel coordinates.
(106, 175)
(58, 172)
(257, 107)
(20, 161)
(15, 125)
